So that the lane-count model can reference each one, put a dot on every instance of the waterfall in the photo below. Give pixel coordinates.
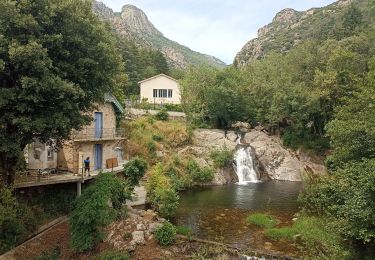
(244, 166)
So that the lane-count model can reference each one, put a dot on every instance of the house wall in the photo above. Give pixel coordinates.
(109, 119)
(71, 156)
(160, 82)
(72, 152)
(37, 156)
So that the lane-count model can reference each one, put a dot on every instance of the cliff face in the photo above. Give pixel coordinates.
(289, 27)
(133, 24)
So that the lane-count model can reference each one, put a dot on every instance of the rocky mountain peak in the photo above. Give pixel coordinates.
(287, 16)
(137, 20)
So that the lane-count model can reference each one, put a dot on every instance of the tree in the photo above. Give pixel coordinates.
(56, 60)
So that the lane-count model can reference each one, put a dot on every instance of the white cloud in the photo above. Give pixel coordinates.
(214, 27)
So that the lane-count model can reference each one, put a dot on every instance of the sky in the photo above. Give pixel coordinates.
(216, 27)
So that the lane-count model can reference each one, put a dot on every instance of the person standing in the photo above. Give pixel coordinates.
(87, 165)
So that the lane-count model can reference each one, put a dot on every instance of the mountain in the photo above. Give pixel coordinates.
(133, 24)
(290, 27)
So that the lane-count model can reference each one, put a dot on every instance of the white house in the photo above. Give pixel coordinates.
(160, 89)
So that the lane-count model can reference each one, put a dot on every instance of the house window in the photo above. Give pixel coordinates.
(50, 154)
(160, 93)
(169, 93)
(155, 93)
(165, 93)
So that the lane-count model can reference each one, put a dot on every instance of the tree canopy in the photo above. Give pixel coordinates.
(56, 60)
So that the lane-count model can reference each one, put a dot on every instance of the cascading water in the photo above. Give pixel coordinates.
(244, 166)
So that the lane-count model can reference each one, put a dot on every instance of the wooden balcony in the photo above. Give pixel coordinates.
(93, 134)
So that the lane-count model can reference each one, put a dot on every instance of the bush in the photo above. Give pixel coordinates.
(53, 254)
(221, 158)
(261, 220)
(92, 213)
(173, 107)
(134, 170)
(199, 174)
(347, 196)
(157, 138)
(166, 234)
(113, 255)
(162, 115)
(160, 191)
(16, 221)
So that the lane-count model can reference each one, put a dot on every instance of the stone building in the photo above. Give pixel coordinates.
(160, 89)
(40, 156)
(101, 140)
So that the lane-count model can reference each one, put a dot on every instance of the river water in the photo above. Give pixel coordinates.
(219, 213)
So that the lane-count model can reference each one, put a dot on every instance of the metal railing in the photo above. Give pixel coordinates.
(97, 134)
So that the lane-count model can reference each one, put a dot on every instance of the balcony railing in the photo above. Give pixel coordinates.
(98, 134)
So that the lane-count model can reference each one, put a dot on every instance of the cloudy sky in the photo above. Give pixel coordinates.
(216, 27)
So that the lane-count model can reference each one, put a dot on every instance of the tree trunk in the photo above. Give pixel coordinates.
(8, 166)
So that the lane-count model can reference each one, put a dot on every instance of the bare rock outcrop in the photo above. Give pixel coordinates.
(275, 161)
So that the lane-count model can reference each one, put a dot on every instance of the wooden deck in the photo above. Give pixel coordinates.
(57, 178)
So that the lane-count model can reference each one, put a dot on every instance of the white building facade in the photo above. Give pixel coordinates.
(160, 89)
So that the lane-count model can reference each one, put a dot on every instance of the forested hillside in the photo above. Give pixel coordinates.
(289, 28)
(133, 25)
(319, 95)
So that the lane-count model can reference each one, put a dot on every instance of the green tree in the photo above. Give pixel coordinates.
(56, 60)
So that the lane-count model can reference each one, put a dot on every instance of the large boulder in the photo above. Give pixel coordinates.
(278, 162)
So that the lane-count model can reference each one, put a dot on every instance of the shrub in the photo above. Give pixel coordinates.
(198, 174)
(167, 201)
(160, 191)
(162, 115)
(261, 220)
(173, 107)
(113, 255)
(157, 137)
(347, 195)
(134, 170)
(16, 220)
(221, 158)
(92, 212)
(166, 234)
(53, 254)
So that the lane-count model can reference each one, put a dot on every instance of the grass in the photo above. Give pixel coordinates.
(261, 220)
(280, 233)
(112, 255)
(317, 240)
(182, 230)
(146, 135)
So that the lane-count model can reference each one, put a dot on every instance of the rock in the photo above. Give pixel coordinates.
(294, 219)
(141, 227)
(161, 220)
(138, 238)
(277, 162)
(222, 215)
(150, 215)
(267, 245)
(154, 226)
